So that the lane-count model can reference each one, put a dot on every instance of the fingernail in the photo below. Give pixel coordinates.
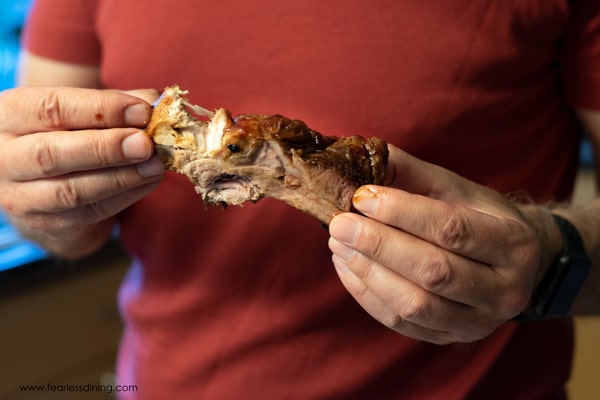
(150, 168)
(137, 114)
(137, 146)
(344, 228)
(366, 199)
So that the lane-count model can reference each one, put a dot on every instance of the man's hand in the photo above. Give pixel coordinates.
(437, 257)
(70, 159)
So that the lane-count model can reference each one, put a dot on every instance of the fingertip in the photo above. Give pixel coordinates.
(333, 222)
(138, 114)
(344, 228)
(154, 167)
(137, 147)
(366, 199)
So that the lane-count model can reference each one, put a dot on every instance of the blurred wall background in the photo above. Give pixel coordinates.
(12, 16)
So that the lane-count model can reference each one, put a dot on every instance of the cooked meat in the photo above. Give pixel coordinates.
(233, 160)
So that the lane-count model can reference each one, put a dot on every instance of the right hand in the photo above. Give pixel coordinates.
(70, 160)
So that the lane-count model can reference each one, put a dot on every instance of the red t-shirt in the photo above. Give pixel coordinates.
(244, 303)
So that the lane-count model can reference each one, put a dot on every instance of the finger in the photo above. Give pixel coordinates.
(410, 301)
(51, 154)
(79, 189)
(430, 267)
(399, 310)
(488, 238)
(414, 175)
(87, 215)
(33, 109)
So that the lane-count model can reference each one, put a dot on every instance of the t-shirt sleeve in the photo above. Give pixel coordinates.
(580, 58)
(63, 30)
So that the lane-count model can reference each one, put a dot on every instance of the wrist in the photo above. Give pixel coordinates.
(559, 282)
(548, 233)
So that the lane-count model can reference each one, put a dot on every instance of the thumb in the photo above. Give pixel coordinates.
(416, 176)
(148, 95)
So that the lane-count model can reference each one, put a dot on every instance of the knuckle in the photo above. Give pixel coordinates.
(44, 157)
(413, 308)
(372, 244)
(99, 150)
(67, 195)
(49, 111)
(124, 179)
(437, 273)
(453, 233)
(392, 320)
(360, 291)
(362, 267)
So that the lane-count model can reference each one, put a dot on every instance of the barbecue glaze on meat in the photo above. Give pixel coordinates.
(233, 160)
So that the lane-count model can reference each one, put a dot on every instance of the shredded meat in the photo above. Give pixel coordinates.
(234, 160)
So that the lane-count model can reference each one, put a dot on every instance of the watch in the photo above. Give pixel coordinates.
(560, 285)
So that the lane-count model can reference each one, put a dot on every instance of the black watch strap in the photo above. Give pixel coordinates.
(561, 284)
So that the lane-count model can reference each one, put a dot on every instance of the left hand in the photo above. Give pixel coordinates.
(434, 256)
